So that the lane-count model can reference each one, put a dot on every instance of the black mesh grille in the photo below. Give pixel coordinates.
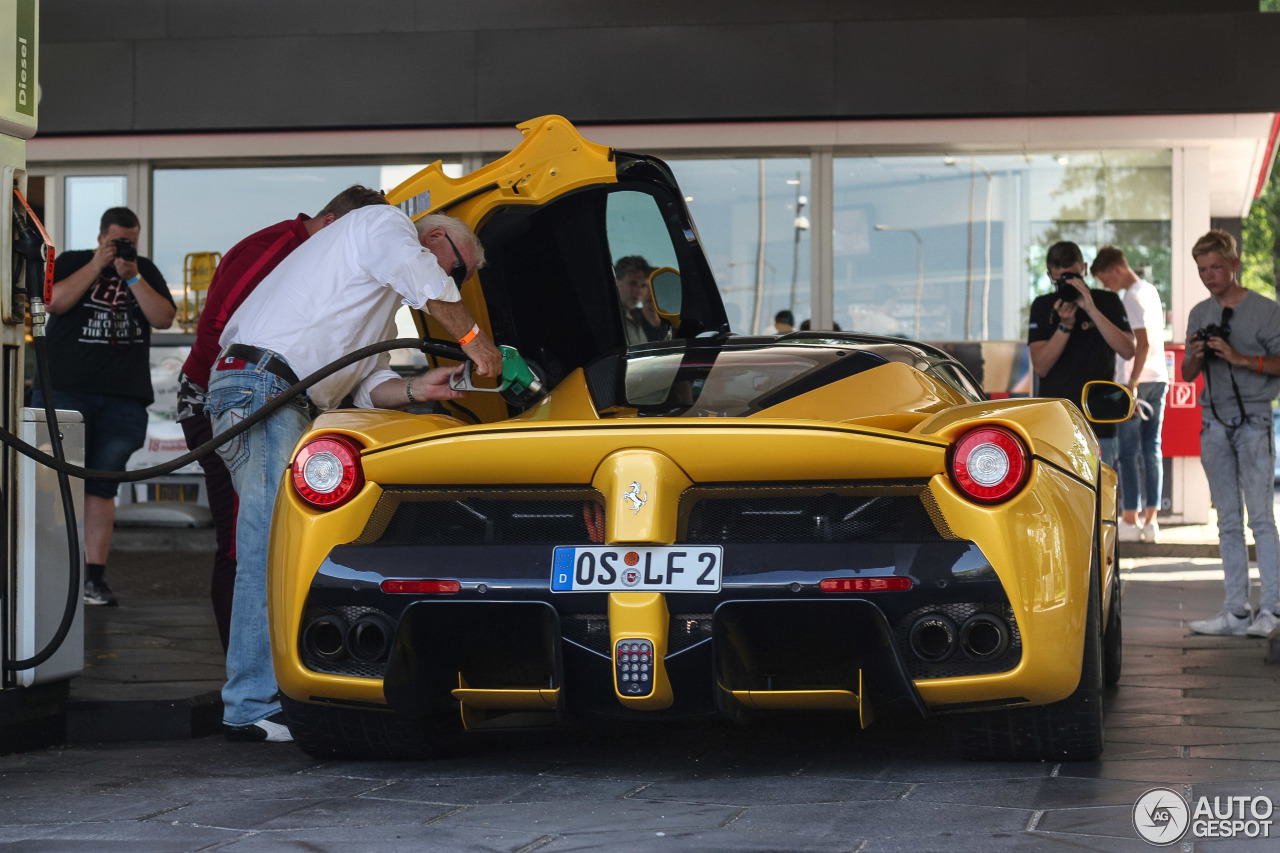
(591, 630)
(803, 515)
(959, 664)
(428, 517)
(687, 629)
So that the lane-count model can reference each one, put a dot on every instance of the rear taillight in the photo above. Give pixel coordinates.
(989, 464)
(326, 471)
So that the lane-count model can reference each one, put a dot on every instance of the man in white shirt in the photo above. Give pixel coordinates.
(336, 293)
(1147, 377)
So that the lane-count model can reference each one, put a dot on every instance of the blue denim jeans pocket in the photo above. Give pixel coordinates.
(227, 405)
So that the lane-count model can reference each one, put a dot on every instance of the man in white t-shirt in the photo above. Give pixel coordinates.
(1147, 378)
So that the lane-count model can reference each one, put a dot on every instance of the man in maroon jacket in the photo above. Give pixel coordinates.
(239, 272)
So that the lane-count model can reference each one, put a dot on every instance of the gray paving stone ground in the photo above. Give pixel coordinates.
(1198, 714)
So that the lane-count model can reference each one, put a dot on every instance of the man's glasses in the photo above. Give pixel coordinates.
(459, 271)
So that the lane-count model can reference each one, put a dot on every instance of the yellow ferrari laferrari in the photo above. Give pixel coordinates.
(653, 517)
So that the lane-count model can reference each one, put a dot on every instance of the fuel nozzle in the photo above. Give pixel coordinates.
(29, 250)
(520, 385)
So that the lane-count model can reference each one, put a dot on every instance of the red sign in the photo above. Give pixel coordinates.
(1180, 435)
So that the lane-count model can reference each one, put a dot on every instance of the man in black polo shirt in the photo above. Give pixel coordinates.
(1074, 341)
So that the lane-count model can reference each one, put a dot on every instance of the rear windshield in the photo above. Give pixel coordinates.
(731, 382)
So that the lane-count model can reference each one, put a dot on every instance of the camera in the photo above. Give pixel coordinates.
(125, 250)
(1213, 330)
(1065, 291)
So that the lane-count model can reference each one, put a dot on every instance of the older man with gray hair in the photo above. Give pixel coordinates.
(336, 293)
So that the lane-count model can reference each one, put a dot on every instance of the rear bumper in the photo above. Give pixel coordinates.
(770, 638)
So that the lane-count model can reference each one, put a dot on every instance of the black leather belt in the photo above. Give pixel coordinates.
(252, 355)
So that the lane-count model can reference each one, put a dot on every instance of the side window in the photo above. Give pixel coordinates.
(639, 243)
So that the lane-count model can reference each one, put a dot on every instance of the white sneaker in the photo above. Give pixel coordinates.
(270, 730)
(1223, 623)
(1129, 532)
(1264, 624)
(1151, 531)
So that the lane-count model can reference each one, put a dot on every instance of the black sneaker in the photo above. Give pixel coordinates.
(97, 592)
(271, 730)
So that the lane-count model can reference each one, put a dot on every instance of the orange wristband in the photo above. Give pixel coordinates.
(1259, 370)
(469, 336)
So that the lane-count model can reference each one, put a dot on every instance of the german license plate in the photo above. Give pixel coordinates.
(622, 569)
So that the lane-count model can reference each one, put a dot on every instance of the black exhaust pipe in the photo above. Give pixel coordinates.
(369, 638)
(984, 637)
(933, 637)
(326, 637)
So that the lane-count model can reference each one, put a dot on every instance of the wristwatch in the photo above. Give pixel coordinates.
(1063, 327)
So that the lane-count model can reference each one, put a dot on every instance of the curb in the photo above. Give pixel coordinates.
(1174, 549)
(113, 720)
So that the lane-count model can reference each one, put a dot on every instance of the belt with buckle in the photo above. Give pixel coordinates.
(239, 356)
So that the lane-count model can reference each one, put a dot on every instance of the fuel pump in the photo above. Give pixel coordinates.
(27, 700)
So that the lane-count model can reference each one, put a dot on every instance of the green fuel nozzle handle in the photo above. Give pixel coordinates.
(520, 386)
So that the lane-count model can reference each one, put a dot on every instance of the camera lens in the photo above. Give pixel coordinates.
(1065, 291)
(125, 250)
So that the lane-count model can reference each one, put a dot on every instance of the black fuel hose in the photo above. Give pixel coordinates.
(69, 516)
(57, 461)
(428, 346)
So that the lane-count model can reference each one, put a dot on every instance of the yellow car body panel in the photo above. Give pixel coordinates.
(300, 536)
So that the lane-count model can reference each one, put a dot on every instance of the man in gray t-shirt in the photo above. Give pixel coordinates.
(1233, 337)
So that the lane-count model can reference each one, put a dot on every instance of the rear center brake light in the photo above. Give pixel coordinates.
(895, 584)
(422, 587)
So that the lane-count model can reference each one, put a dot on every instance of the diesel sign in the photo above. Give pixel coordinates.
(24, 96)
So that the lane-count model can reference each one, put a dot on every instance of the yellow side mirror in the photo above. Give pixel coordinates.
(668, 294)
(1106, 402)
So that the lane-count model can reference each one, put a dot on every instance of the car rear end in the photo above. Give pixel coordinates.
(673, 567)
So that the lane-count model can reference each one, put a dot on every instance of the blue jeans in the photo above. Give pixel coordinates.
(1140, 449)
(1240, 461)
(257, 459)
(1108, 449)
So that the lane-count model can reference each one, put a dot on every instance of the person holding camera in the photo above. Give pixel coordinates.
(640, 317)
(1147, 378)
(105, 303)
(1233, 338)
(1075, 334)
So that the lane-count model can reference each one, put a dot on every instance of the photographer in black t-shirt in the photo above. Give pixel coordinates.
(105, 303)
(1075, 334)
